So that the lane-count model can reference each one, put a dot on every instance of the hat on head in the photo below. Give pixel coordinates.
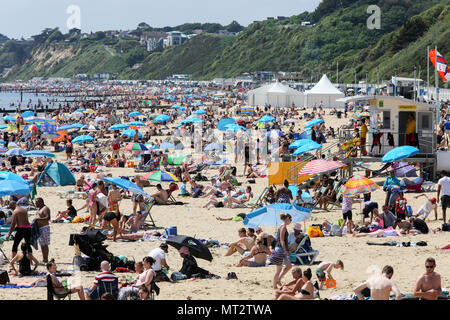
(164, 245)
(22, 202)
(433, 200)
(298, 227)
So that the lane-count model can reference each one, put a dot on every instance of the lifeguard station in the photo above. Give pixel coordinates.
(387, 129)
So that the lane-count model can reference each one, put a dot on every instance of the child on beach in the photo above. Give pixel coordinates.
(427, 207)
(327, 267)
(71, 212)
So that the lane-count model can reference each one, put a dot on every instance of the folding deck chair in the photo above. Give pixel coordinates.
(258, 201)
(302, 252)
(148, 207)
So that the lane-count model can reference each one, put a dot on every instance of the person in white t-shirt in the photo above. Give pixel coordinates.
(159, 254)
(427, 207)
(444, 187)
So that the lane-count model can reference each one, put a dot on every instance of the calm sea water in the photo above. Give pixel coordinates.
(8, 98)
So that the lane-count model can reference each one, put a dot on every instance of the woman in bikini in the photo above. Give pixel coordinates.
(259, 254)
(287, 289)
(306, 291)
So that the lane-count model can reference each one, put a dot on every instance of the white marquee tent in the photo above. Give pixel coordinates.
(276, 94)
(324, 93)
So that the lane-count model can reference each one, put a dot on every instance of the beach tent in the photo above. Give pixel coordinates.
(275, 94)
(324, 93)
(56, 174)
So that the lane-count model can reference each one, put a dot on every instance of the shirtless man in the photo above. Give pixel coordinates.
(243, 244)
(21, 225)
(161, 196)
(428, 285)
(43, 219)
(380, 286)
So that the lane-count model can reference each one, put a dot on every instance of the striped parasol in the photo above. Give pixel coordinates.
(319, 166)
(358, 185)
(159, 175)
(135, 146)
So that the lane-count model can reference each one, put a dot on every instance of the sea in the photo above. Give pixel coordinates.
(10, 100)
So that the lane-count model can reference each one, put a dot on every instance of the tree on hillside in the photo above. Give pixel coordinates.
(234, 26)
(412, 30)
(143, 25)
(43, 36)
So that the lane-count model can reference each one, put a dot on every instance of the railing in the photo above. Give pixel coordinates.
(426, 141)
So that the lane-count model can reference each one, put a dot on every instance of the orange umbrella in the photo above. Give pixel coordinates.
(62, 136)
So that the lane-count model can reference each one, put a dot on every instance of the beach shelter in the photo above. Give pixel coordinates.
(275, 94)
(56, 174)
(270, 215)
(323, 93)
(62, 136)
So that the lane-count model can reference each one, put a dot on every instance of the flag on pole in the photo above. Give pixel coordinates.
(440, 64)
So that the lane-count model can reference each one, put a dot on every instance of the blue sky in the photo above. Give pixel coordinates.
(29, 17)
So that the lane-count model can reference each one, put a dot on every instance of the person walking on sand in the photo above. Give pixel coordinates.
(428, 285)
(281, 254)
(43, 219)
(380, 286)
(21, 225)
(444, 187)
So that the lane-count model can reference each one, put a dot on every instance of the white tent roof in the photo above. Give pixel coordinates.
(324, 86)
(276, 88)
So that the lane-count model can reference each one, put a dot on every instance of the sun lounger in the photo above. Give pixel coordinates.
(258, 201)
(148, 207)
(301, 252)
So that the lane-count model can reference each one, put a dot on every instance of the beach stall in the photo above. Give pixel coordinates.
(324, 94)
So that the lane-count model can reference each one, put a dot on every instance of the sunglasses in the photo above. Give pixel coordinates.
(429, 267)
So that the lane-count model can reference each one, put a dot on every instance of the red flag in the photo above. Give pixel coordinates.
(440, 64)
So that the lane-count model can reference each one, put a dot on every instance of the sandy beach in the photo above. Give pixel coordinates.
(360, 259)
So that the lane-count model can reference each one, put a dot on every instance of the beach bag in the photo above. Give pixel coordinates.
(446, 227)
(176, 276)
(315, 232)
(335, 231)
(4, 278)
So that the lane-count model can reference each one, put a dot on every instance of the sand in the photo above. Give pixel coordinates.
(359, 258)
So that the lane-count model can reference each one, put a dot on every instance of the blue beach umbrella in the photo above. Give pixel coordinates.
(10, 187)
(221, 125)
(214, 146)
(270, 215)
(127, 185)
(313, 123)
(9, 118)
(135, 114)
(136, 123)
(27, 114)
(399, 153)
(162, 118)
(78, 125)
(234, 128)
(166, 145)
(267, 118)
(130, 133)
(82, 139)
(2, 126)
(38, 153)
(119, 126)
(6, 175)
(307, 147)
(199, 112)
(15, 152)
(66, 127)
